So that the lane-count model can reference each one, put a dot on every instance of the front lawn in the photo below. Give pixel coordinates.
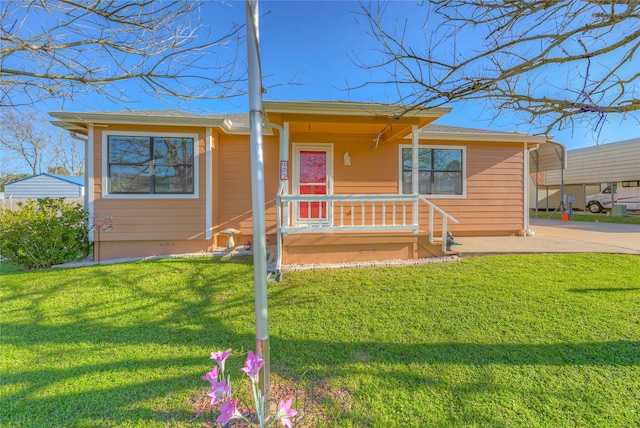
(535, 340)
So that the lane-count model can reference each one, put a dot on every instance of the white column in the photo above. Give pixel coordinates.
(89, 178)
(208, 145)
(284, 155)
(415, 182)
(525, 187)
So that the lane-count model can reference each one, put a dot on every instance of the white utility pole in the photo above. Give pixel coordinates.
(257, 198)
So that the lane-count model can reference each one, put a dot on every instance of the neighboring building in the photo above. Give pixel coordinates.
(339, 180)
(45, 186)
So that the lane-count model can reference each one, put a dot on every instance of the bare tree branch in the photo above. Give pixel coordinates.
(551, 61)
(23, 139)
(59, 49)
(28, 141)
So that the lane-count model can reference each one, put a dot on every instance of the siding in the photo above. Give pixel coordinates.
(495, 191)
(42, 186)
(234, 183)
(151, 219)
(494, 202)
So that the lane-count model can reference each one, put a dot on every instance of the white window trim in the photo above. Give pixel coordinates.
(105, 167)
(296, 148)
(425, 146)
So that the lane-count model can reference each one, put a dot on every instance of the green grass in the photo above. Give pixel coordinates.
(602, 218)
(542, 340)
(9, 267)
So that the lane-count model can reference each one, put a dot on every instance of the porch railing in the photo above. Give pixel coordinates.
(445, 218)
(355, 213)
(332, 213)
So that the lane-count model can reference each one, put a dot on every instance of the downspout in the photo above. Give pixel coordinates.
(89, 179)
(75, 136)
(527, 178)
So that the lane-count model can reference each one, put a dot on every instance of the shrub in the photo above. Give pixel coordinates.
(43, 232)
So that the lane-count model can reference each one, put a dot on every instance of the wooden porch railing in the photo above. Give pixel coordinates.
(355, 212)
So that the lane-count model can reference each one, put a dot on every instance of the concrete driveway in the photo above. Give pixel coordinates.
(553, 236)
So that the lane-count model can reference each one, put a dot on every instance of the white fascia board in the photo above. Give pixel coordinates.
(350, 109)
(482, 136)
(67, 126)
(128, 119)
(245, 130)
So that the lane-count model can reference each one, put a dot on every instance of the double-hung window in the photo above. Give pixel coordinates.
(440, 171)
(150, 165)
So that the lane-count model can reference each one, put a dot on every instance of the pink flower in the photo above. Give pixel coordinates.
(253, 365)
(228, 411)
(219, 390)
(212, 375)
(220, 357)
(285, 412)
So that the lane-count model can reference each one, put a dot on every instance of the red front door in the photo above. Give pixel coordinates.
(313, 181)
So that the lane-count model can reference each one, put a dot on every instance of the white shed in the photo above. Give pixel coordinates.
(45, 186)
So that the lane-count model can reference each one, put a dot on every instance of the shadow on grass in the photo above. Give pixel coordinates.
(603, 290)
(334, 359)
(25, 400)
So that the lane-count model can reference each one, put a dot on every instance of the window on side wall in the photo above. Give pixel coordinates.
(440, 171)
(150, 165)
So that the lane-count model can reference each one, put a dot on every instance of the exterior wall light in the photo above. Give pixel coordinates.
(347, 159)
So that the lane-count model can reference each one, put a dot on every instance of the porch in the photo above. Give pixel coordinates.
(358, 228)
(340, 196)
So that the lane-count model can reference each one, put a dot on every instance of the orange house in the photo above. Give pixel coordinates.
(340, 181)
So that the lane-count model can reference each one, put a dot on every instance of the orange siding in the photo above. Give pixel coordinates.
(234, 178)
(494, 201)
(151, 219)
(494, 179)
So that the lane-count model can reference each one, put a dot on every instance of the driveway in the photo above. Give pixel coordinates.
(553, 236)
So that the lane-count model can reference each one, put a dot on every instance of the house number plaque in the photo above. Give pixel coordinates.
(284, 170)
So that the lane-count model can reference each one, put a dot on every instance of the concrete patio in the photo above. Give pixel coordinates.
(554, 236)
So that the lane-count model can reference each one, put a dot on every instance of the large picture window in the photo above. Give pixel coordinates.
(150, 164)
(440, 171)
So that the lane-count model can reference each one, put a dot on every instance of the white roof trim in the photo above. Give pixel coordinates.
(482, 136)
(67, 126)
(349, 109)
(139, 119)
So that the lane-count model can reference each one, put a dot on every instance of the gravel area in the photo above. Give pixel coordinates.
(225, 253)
(381, 263)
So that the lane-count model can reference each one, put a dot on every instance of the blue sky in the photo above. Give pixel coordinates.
(313, 42)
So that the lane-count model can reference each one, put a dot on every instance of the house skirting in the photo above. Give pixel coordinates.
(356, 247)
(108, 250)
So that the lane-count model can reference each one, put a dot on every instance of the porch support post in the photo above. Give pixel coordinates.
(89, 192)
(525, 186)
(284, 155)
(258, 199)
(415, 182)
(208, 144)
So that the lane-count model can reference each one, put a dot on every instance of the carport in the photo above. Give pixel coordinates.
(582, 171)
(548, 157)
